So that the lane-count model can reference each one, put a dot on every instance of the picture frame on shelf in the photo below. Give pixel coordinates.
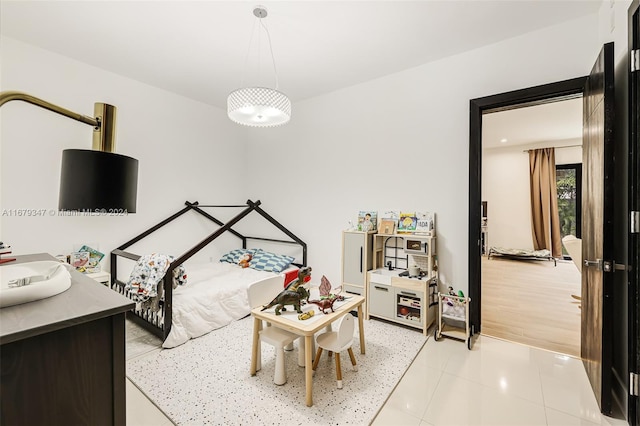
(387, 226)
(367, 220)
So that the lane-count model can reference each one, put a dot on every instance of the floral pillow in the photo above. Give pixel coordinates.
(234, 256)
(270, 262)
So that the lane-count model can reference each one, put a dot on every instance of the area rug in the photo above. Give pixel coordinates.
(207, 380)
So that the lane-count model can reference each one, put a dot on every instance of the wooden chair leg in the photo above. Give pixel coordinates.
(338, 371)
(315, 361)
(353, 359)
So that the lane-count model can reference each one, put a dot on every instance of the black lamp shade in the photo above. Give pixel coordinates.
(96, 181)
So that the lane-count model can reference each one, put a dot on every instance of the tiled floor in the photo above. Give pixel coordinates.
(496, 383)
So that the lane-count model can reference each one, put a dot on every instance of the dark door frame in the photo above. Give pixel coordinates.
(633, 408)
(517, 98)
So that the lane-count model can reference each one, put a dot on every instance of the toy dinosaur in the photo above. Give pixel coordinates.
(325, 303)
(289, 297)
(303, 273)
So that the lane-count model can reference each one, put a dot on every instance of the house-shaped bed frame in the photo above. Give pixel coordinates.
(159, 323)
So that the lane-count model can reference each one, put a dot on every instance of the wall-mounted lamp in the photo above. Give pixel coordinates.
(97, 179)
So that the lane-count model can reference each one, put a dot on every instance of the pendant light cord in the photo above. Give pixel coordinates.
(273, 61)
(246, 59)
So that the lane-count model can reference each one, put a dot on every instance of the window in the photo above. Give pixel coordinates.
(569, 186)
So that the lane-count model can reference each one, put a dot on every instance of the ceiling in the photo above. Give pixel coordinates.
(557, 122)
(198, 48)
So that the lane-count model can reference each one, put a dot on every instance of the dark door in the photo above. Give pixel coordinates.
(597, 228)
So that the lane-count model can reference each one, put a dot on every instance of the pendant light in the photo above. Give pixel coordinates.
(259, 106)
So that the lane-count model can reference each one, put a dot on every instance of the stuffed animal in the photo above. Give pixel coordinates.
(244, 262)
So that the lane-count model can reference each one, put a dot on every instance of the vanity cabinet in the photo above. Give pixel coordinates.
(63, 357)
(357, 259)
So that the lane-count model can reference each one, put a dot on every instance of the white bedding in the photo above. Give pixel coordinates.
(214, 296)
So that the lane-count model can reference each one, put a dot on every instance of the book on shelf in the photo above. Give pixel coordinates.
(425, 223)
(93, 262)
(389, 215)
(407, 223)
(367, 220)
(387, 226)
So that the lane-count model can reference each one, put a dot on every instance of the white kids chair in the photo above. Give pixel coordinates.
(338, 341)
(261, 293)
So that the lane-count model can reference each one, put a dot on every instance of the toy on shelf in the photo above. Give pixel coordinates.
(5, 249)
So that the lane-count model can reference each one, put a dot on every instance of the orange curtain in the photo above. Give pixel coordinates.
(545, 220)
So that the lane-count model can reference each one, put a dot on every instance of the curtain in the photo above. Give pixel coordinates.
(545, 220)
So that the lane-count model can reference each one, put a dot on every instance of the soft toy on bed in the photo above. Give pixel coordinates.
(244, 261)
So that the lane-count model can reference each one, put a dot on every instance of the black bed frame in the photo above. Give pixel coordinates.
(494, 253)
(160, 324)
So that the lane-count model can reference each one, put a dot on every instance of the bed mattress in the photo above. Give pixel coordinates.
(214, 296)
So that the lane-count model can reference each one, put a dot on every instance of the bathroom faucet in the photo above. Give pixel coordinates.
(389, 265)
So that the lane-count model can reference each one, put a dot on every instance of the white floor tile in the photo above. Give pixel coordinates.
(141, 411)
(570, 394)
(459, 401)
(497, 382)
(558, 418)
(415, 390)
(390, 416)
(508, 371)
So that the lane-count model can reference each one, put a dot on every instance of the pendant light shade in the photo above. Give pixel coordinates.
(98, 182)
(259, 106)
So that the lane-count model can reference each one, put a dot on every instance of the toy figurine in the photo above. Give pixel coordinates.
(303, 275)
(306, 315)
(289, 297)
(325, 303)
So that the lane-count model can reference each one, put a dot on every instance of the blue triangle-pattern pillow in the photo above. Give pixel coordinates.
(270, 262)
(234, 256)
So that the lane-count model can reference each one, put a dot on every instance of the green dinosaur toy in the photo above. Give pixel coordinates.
(289, 297)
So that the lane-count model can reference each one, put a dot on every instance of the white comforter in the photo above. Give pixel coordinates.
(215, 295)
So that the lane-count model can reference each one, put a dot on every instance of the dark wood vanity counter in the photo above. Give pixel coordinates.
(62, 358)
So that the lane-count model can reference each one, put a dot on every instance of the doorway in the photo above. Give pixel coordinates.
(532, 302)
(531, 96)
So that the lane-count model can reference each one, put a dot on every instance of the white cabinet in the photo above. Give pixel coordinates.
(357, 259)
(381, 296)
(102, 277)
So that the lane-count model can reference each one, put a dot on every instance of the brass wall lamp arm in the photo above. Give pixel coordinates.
(103, 123)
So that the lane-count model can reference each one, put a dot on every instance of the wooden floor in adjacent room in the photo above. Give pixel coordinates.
(531, 302)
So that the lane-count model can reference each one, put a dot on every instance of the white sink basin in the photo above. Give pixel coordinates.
(393, 273)
(40, 279)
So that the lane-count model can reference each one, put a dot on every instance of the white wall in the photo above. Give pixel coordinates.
(398, 142)
(187, 151)
(505, 187)
(401, 142)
